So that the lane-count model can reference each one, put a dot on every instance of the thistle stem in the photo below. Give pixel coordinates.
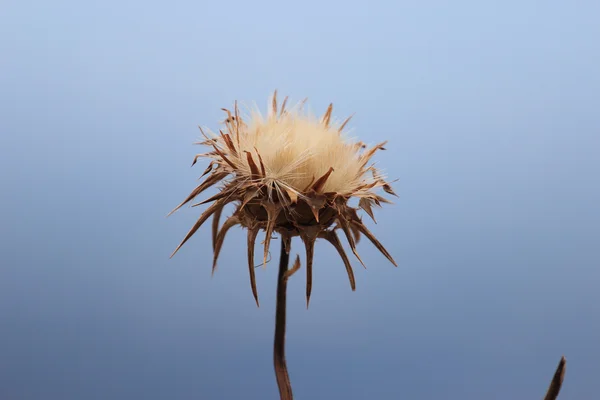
(281, 373)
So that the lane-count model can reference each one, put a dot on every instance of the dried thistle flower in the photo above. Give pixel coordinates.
(293, 174)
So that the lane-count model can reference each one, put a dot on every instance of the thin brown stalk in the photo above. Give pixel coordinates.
(281, 373)
(557, 380)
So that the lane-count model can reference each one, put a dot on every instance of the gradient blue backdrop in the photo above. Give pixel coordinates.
(492, 114)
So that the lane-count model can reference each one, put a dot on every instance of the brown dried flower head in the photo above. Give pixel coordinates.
(292, 174)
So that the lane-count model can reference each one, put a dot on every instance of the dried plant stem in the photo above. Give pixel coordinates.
(557, 380)
(281, 373)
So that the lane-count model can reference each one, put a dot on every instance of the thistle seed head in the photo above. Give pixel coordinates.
(289, 173)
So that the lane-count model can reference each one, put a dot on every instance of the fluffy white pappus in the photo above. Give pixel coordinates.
(296, 148)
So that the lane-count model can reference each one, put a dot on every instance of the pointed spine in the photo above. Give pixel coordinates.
(237, 122)
(309, 243)
(365, 204)
(346, 229)
(262, 165)
(229, 142)
(211, 180)
(294, 269)
(318, 185)
(252, 232)
(388, 189)
(207, 213)
(341, 128)
(215, 225)
(364, 159)
(283, 106)
(220, 195)
(333, 238)
(252, 165)
(274, 105)
(229, 222)
(224, 158)
(309, 235)
(273, 211)
(327, 116)
(363, 229)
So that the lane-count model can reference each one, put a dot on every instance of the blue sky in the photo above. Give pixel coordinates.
(491, 112)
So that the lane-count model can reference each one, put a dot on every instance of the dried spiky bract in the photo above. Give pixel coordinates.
(292, 174)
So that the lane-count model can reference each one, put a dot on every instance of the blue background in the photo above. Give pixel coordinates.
(491, 110)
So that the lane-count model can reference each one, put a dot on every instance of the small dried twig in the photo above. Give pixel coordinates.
(557, 380)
